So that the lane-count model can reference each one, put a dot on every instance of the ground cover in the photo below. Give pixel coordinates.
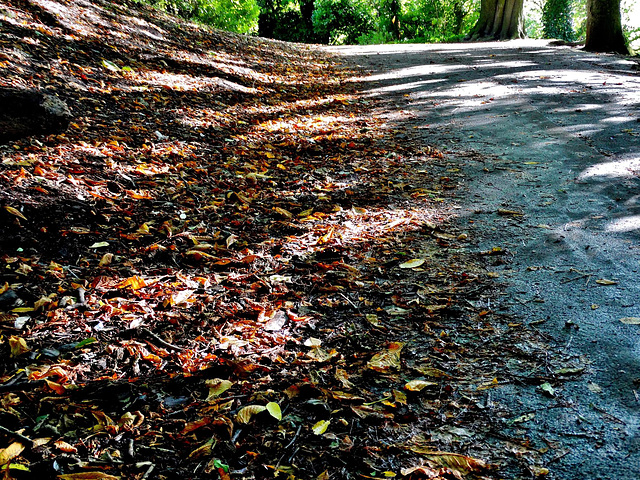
(231, 264)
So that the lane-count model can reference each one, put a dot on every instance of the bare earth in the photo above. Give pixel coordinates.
(552, 133)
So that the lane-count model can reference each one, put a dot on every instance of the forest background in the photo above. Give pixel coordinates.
(386, 21)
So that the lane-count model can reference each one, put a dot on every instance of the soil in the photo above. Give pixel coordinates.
(547, 142)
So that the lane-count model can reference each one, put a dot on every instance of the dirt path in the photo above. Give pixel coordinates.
(552, 133)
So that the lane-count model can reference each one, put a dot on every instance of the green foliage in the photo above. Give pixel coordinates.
(240, 16)
(557, 20)
(287, 20)
(437, 20)
(343, 21)
(630, 10)
(533, 18)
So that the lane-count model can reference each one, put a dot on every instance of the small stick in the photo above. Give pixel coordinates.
(159, 341)
(21, 438)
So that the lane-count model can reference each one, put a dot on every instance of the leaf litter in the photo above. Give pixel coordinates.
(230, 265)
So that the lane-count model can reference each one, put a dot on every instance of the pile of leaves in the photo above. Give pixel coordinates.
(230, 266)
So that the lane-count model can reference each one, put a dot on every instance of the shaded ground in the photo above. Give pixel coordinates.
(231, 265)
(547, 142)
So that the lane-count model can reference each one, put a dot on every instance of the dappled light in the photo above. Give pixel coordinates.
(623, 168)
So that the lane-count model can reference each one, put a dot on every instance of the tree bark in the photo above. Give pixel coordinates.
(499, 20)
(604, 27)
(29, 112)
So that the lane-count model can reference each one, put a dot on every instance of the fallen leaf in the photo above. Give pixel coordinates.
(245, 413)
(320, 427)
(14, 211)
(631, 320)
(594, 387)
(387, 359)
(414, 263)
(455, 461)
(274, 410)
(604, 281)
(88, 476)
(217, 387)
(523, 418)
(18, 346)
(11, 452)
(418, 385)
(547, 389)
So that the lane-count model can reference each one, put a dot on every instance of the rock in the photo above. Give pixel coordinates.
(28, 112)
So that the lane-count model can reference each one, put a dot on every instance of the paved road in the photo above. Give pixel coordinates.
(554, 133)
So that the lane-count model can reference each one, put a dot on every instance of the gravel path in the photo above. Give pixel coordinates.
(553, 133)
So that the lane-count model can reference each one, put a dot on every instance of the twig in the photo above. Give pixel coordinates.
(156, 339)
(349, 300)
(18, 436)
(577, 278)
(607, 414)
(148, 472)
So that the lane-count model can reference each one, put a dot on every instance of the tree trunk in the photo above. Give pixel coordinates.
(499, 20)
(29, 112)
(604, 27)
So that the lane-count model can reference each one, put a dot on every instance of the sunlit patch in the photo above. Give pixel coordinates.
(617, 119)
(360, 225)
(625, 224)
(181, 82)
(618, 168)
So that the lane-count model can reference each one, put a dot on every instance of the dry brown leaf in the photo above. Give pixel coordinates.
(245, 413)
(387, 359)
(456, 461)
(11, 452)
(88, 476)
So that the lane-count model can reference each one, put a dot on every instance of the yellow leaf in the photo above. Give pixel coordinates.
(320, 427)
(135, 282)
(88, 476)
(11, 452)
(217, 387)
(604, 281)
(418, 385)
(631, 320)
(245, 413)
(15, 212)
(414, 263)
(458, 462)
(387, 359)
(274, 410)
(283, 212)
(18, 346)
(106, 259)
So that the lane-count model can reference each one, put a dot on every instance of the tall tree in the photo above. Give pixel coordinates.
(499, 20)
(604, 27)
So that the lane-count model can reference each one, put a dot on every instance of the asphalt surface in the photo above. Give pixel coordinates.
(553, 133)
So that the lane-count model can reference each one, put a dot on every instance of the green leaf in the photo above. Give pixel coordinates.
(320, 427)
(274, 410)
(548, 389)
(85, 342)
(112, 67)
(217, 386)
(218, 464)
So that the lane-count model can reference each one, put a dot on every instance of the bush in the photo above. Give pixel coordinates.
(343, 21)
(556, 19)
(240, 16)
